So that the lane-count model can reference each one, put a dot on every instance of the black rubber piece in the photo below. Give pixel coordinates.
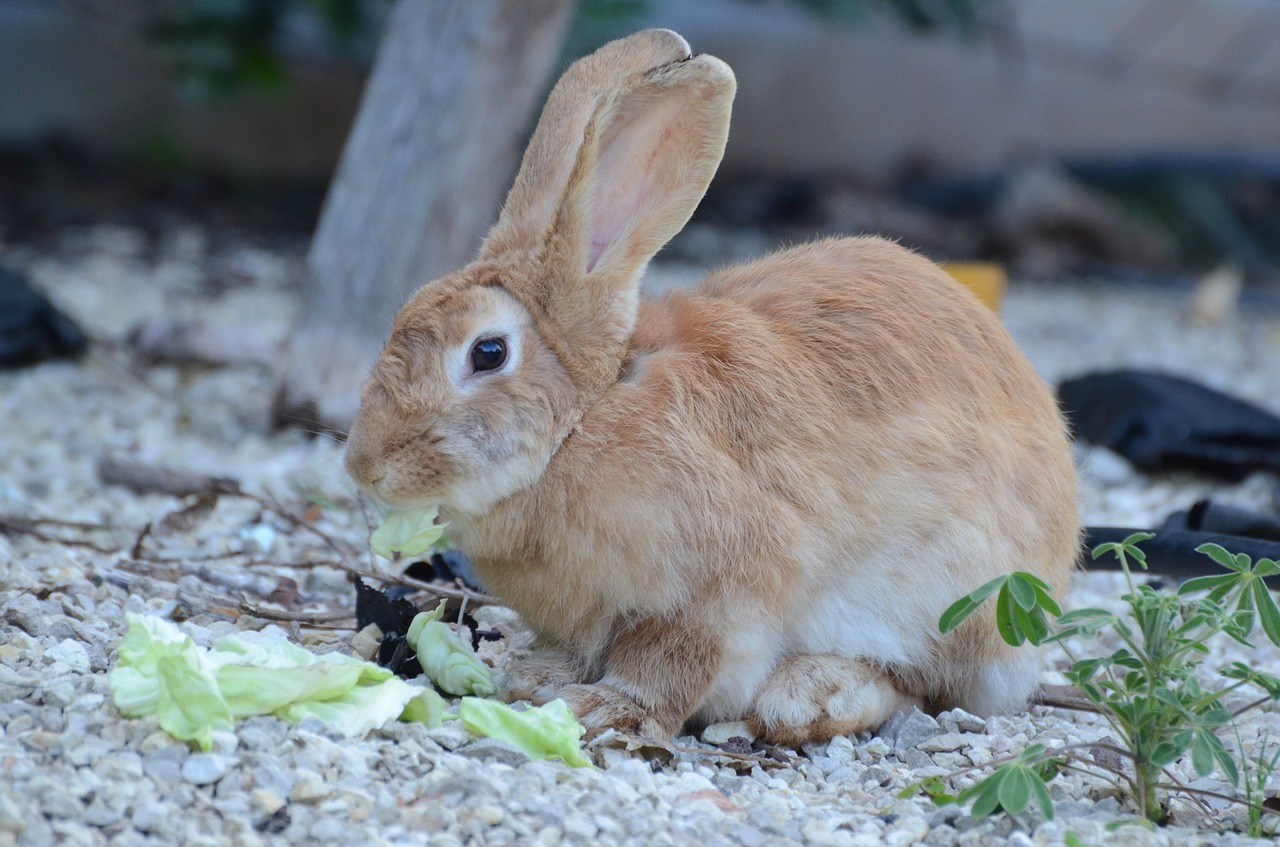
(31, 329)
(1161, 422)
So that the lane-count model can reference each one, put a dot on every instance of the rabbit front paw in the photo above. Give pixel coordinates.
(600, 707)
(540, 676)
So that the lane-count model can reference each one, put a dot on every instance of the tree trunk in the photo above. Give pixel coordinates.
(433, 150)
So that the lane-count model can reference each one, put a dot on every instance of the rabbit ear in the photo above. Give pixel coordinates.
(539, 187)
(647, 157)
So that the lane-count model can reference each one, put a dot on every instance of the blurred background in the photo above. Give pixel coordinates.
(1131, 141)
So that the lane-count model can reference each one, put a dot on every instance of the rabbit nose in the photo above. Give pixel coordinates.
(362, 468)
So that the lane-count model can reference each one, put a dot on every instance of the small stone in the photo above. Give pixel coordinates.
(841, 748)
(948, 742)
(265, 802)
(70, 653)
(907, 730)
(206, 768)
(99, 813)
(165, 766)
(11, 816)
(367, 641)
(906, 831)
(61, 693)
(720, 733)
(489, 815)
(580, 826)
(328, 830)
(915, 758)
(309, 788)
(450, 736)
(492, 748)
(966, 722)
(24, 612)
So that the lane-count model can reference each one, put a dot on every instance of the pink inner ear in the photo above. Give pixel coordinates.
(629, 171)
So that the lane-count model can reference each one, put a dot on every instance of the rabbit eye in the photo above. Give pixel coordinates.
(488, 354)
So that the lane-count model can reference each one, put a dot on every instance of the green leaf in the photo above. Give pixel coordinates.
(1043, 800)
(1031, 624)
(1006, 613)
(1266, 567)
(1138, 538)
(1226, 761)
(1205, 583)
(1202, 754)
(1024, 593)
(933, 787)
(543, 732)
(1165, 753)
(1015, 790)
(1046, 602)
(965, 606)
(1220, 555)
(984, 794)
(1268, 614)
(1103, 549)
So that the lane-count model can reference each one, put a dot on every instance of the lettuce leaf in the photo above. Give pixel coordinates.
(543, 732)
(448, 662)
(407, 533)
(196, 693)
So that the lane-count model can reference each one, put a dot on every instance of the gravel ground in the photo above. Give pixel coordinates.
(75, 772)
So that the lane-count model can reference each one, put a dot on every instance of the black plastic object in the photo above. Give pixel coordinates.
(393, 615)
(1208, 516)
(31, 329)
(1160, 422)
(1173, 553)
(445, 566)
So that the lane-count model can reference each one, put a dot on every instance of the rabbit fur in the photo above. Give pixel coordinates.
(751, 500)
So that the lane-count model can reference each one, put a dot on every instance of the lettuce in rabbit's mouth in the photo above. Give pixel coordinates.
(407, 533)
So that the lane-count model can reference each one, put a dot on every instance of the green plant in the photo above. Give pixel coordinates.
(1149, 689)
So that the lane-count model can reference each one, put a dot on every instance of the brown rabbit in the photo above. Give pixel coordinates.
(752, 500)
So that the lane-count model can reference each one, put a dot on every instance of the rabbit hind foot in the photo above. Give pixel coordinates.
(818, 696)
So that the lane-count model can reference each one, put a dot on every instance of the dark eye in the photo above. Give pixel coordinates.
(488, 354)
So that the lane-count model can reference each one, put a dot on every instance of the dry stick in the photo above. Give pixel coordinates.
(136, 552)
(143, 478)
(477, 597)
(274, 505)
(21, 526)
(304, 618)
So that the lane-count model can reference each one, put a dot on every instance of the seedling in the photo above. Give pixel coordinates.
(1149, 690)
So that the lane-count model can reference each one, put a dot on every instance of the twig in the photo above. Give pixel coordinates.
(270, 503)
(143, 478)
(1063, 697)
(136, 552)
(21, 526)
(1247, 706)
(1204, 792)
(477, 597)
(305, 618)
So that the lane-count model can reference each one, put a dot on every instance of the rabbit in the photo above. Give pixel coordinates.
(747, 501)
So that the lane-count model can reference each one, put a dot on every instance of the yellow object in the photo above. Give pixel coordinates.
(985, 279)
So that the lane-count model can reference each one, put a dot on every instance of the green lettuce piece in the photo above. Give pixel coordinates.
(196, 694)
(543, 732)
(190, 706)
(445, 660)
(369, 706)
(407, 533)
